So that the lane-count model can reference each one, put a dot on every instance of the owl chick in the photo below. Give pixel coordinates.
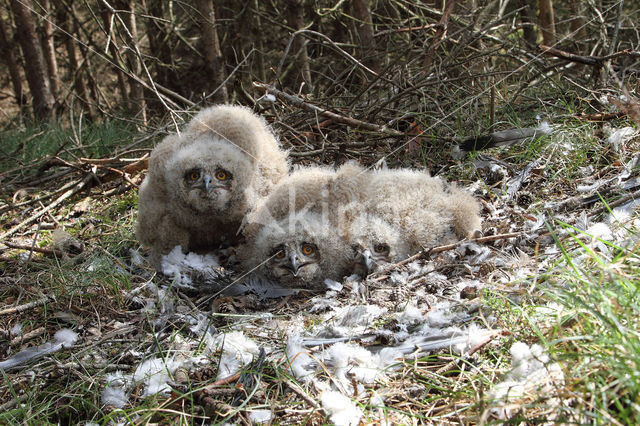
(318, 189)
(300, 250)
(429, 211)
(375, 242)
(203, 181)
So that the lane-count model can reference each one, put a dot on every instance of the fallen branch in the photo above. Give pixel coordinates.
(51, 206)
(43, 250)
(586, 60)
(349, 121)
(613, 204)
(27, 336)
(25, 307)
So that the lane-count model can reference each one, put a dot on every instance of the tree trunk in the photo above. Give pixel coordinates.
(136, 91)
(547, 22)
(14, 71)
(74, 70)
(364, 28)
(109, 22)
(49, 48)
(295, 19)
(158, 43)
(528, 19)
(214, 64)
(34, 66)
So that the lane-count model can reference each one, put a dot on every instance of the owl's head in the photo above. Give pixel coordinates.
(301, 251)
(208, 176)
(375, 242)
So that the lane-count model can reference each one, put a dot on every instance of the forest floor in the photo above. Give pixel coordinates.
(535, 322)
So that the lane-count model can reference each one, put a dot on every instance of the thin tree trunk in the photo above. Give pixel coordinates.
(49, 48)
(295, 19)
(528, 18)
(364, 27)
(134, 64)
(159, 46)
(34, 66)
(14, 71)
(256, 33)
(212, 53)
(547, 22)
(109, 22)
(75, 74)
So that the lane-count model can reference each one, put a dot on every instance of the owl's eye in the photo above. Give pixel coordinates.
(193, 175)
(308, 249)
(221, 175)
(381, 248)
(279, 253)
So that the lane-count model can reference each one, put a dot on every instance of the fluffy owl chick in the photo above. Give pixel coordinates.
(298, 251)
(375, 242)
(203, 181)
(318, 189)
(428, 210)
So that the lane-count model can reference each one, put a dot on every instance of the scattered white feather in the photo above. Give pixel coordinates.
(179, 266)
(531, 374)
(155, 374)
(16, 330)
(269, 97)
(350, 320)
(237, 351)
(545, 127)
(62, 339)
(342, 411)
(620, 137)
(302, 365)
(136, 258)
(114, 396)
(260, 416)
(332, 285)
(623, 213)
(410, 315)
(66, 337)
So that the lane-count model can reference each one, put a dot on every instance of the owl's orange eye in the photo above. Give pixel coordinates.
(308, 249)
(381, 248)
(194, 175)
(221, 175)
(279, 253)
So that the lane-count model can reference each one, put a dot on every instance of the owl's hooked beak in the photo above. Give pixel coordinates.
(205, 185)
(369, 261)
(364, 262)
(295, 265)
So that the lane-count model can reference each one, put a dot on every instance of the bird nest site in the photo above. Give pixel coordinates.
(437, 225)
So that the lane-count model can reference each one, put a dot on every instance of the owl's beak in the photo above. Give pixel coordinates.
(369, 262)
(205, 185)
(295, 265)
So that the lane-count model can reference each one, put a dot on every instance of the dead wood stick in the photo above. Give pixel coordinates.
(586, 60)
(441, 33)
(51, 206)
(42, 250)
(27, 336)
(353, 122)
(24, 307)
(439, 249)
(294, 387)
(35, 200)
(616, 203)
(112, 160)
(600, 116)
(406, 29)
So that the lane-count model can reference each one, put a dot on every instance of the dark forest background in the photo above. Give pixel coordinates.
(378, 61)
